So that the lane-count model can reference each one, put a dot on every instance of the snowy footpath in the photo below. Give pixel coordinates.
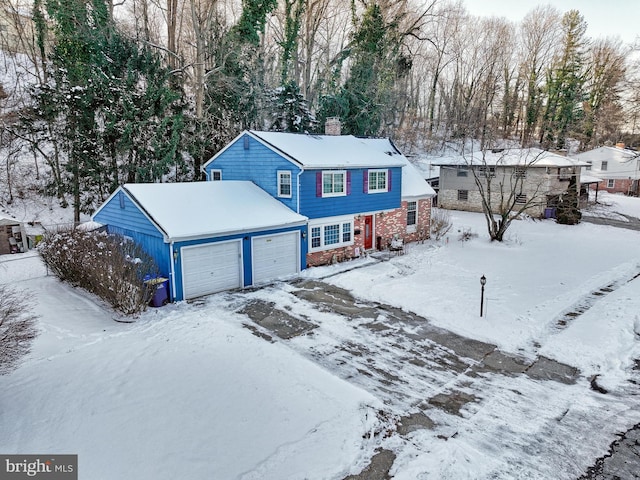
(197, 390)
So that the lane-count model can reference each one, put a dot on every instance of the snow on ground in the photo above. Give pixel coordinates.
(187, 392)
(184, 392)
(612, 205)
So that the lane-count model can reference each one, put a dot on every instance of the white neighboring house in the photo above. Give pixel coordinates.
(536, 177)
(618, 168)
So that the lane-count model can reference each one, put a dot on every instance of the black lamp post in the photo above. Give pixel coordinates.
(483, 282)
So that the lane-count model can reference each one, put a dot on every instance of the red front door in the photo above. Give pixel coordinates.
(368, 232)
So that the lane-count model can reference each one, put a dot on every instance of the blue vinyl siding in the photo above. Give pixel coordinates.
(130, 217)
(131, 222)
(257, 164)
(356, 202)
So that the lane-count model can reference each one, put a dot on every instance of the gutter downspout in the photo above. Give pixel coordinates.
(172, 272)
(298, 193)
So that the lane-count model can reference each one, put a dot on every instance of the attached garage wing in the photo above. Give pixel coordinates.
(275, 256)
(211, 268)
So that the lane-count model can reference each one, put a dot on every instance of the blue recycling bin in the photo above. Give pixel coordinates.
(160, 287)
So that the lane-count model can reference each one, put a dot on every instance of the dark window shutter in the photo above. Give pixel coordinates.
(318, 184)
(389, 180)
(366, 181)
(348, 182)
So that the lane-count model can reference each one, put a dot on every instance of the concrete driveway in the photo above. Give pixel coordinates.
(430, 378)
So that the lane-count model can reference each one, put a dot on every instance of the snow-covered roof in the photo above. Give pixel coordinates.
(529, 157)
(8, 221)
(589, 178)
(201, 209)
(607, 153)
(327, 151)
(413, 183)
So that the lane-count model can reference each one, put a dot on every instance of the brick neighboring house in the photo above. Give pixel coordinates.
(541, 178)
(617, 167)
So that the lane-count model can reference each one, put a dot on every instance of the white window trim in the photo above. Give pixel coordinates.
(211, 172)
(414, 227)
(604, 166)
(386, 181)
(326, 222)
(284, 172)
(611, 183)
(344, 183)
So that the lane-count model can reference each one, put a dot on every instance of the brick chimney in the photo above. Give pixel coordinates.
(620, 145)
(332, 126)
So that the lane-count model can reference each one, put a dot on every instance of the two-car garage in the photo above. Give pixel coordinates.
(214, 267)
(208, 237)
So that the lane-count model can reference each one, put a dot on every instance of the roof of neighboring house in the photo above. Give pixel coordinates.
(526, 157)
(203, 209)
(327, 151)
(607, 153)
(9, 221)
(413, 183)
(621, 163)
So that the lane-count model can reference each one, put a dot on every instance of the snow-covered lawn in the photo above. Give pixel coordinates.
(187, 392)
(184, 392)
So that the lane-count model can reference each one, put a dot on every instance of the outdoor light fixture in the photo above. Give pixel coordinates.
(483, 282)
(303, 234)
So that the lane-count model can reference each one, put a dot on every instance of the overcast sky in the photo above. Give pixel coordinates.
(605, 18)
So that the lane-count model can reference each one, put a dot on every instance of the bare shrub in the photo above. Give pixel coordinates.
(17, 327)
(466, 234)
(110, 266)
(440, 223)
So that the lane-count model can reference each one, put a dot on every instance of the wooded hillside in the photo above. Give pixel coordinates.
(147, 90)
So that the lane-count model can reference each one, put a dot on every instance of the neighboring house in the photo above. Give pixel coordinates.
(13, 238)
(539, 177)
(350, 191)
(209, 236)
(617, 168)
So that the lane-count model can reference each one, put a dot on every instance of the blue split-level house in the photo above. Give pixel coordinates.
(273, 204)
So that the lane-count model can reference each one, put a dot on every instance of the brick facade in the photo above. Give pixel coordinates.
(386, 225)
(621, 185)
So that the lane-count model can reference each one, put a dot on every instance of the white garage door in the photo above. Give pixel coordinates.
(275, 256)
(211, 268)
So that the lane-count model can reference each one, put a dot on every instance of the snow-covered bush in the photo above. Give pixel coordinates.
(17, 327)
(110, 266)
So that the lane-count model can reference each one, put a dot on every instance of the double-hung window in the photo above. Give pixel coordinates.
(412, 210)
(378, 181)
(284, 184)
(333, 183)
(216, 175)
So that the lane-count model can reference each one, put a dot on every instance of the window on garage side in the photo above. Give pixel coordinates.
(216, 175)
(463, 195)
(316, 239)
(284, 184)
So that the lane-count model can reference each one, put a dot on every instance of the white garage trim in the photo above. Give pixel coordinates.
(210, 268)
(275, 256)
